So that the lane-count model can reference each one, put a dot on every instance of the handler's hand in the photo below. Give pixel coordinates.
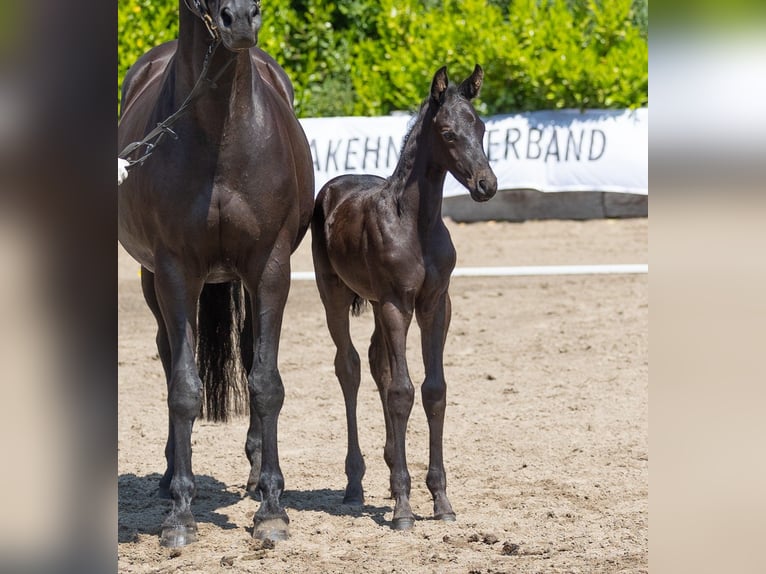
(122, 170)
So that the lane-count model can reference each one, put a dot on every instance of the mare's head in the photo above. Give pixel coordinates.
(459, 133)
(237, 21)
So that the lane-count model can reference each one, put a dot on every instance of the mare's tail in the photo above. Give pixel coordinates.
(358, 306)
(220, 319)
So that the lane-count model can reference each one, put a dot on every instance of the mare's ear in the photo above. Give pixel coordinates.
(439, 86)
(472, 84)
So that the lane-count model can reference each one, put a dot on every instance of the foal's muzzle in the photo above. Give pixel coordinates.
(483, 187)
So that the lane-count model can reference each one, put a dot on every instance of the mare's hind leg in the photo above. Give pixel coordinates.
(163, 348)
(177, 295)
(254, 442)
(434, 318)
(268, 288)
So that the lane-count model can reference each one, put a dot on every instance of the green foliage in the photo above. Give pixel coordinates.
(369, 58)
(141, 25)
(560, 54)
(301, 36)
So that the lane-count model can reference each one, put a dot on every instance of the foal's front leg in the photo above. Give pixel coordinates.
(434, 321)
(395, 322)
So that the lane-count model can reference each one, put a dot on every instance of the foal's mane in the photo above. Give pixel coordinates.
(408, 150)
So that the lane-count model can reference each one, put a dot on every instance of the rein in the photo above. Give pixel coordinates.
(154, 137)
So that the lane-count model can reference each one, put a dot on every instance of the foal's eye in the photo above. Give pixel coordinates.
(449, 136)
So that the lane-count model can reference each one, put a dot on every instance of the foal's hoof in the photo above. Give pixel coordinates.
(253, 490)
(178, 536)
(403, 523)
(274, 529)
(446, 517)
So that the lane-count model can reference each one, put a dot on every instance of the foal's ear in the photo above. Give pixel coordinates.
(439, 86)
(471, 85)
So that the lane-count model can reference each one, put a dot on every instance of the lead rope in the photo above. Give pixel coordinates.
(154, 137)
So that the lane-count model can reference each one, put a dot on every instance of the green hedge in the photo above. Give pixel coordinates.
(141, 25)
(360, 57)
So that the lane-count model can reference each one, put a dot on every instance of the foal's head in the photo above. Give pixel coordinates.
(237, 21)
(458, 133)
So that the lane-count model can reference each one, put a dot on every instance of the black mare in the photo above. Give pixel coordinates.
(222, 202)
(383, 240)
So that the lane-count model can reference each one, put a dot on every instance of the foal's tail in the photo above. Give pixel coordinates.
(220, 319)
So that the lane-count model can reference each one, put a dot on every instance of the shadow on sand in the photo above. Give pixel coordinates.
(141, 510)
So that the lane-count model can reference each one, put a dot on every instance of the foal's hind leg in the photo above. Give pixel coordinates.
(381, 373)
(177, 295)
(163, 348)
(434, 319)
(337, 299)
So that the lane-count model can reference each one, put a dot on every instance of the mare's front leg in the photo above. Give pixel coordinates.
(177, 294)
(395, 321)
(433, 318)
(268, 291)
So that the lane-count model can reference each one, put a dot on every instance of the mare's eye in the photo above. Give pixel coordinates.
(449, 136)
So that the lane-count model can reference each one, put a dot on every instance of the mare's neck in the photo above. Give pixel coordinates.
(418, 181)
(194, 41)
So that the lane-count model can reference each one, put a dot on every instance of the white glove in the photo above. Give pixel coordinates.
(122, 170)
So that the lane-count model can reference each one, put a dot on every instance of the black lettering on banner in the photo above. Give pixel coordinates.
(491, 144)
(575, 147)
(331, 154)
(368, 149)
(315, 155)
(512, 142)
(536, 143)
(350, 154)
(553, 147)
(591, 155)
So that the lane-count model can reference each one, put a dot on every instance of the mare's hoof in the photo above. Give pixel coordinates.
(274, 529)
(403, 523)
(354, 501)
(446, 517)
(178, 536)
(164, 493)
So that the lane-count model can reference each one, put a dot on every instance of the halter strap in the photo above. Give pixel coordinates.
(203, 13)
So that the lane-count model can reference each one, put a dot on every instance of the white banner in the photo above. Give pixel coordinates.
(567, 150)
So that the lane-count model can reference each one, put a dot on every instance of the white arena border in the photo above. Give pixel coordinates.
(525, 271)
